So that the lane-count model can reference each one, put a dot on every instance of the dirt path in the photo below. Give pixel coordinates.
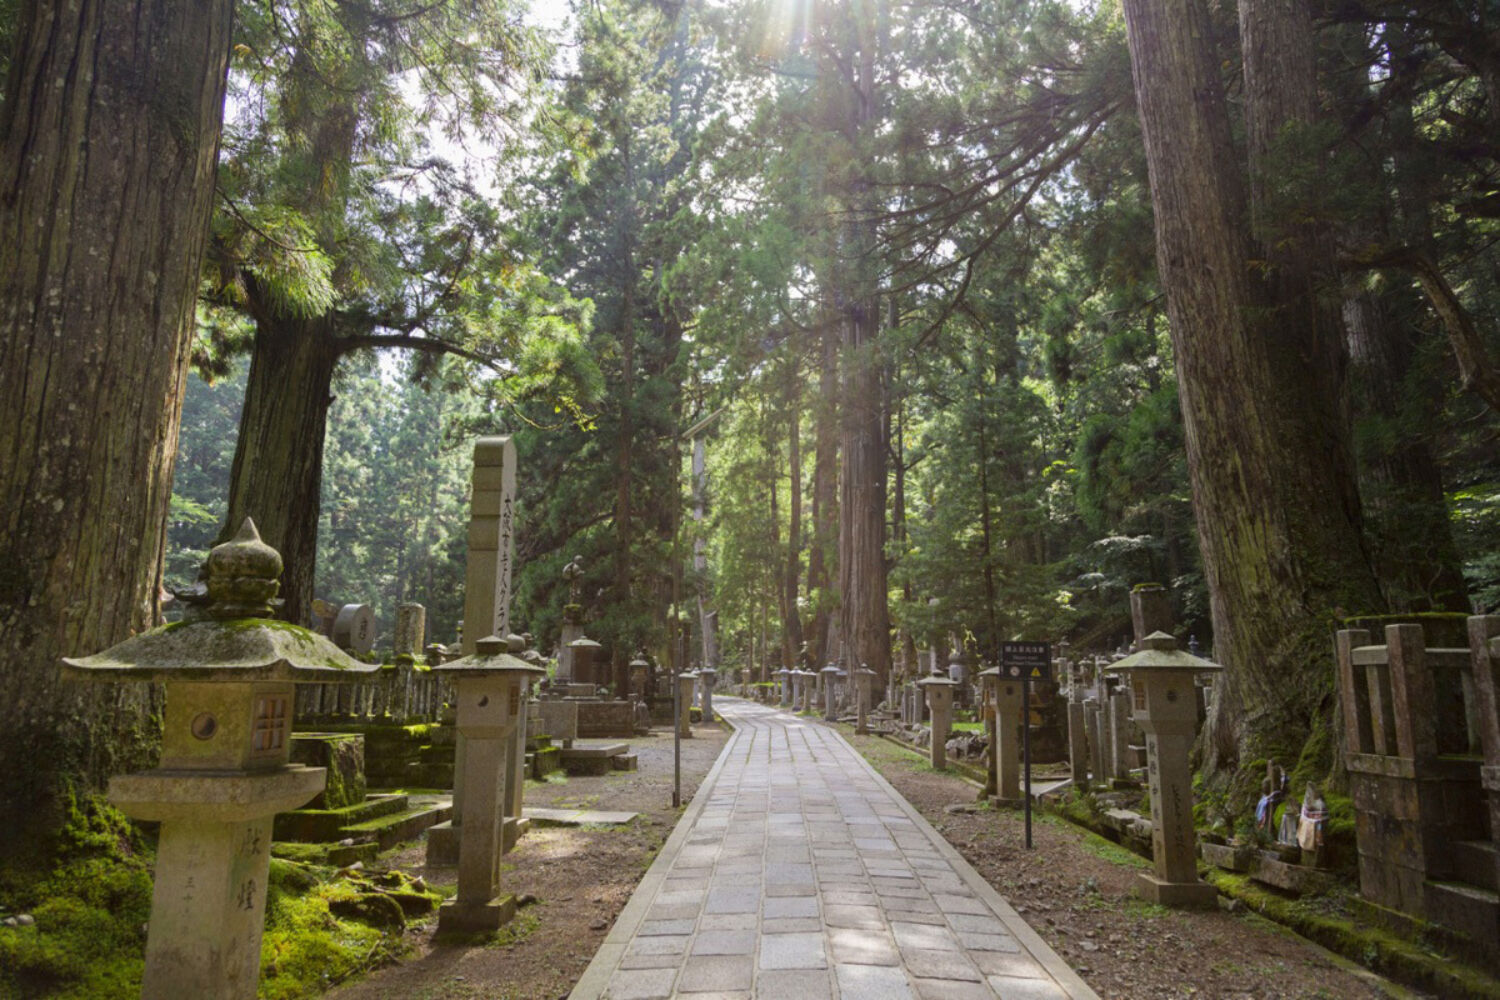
(580, 876)
(1074, 890)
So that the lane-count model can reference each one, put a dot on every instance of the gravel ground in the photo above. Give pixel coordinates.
(1075, 890)
(581, 877)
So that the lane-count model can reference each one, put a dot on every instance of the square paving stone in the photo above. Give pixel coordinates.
(988, 942)
(732, 900)
(640, 984)
(741, 942)
(862, 946)
(726, 922)
(673, 911)
(790, 906)
(791, 890)
(651, 961)
(979, 923)
(953, 903)
(674, 945)
(651, 928)
(1010, 964)
(839, 915)
(792, 951)
(849, 897)
(718, 973)
(789, 875)
(1026, 989)
(873, 982)
(790, 925)
(795, 984)
(940, 965)
(923, 937)
(947, 989)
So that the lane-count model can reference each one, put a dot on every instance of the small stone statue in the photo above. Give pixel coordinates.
(1272, 793)
(1311, 825)
(572, 575)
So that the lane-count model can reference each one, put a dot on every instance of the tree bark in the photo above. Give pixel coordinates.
(1261, 372)
(791, 614)
(108, 138)
(825, 506)
(277, 476)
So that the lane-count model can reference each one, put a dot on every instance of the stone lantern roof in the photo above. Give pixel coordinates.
(228, 635)
(639, 661)
(492, 655)
(1159, 652)
(937, 680)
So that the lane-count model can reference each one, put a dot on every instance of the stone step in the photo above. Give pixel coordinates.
(1469, 909)
(542, 762)
(625, 761)
(388, 831)
(592, 759)
(1476, 862)
(313, 826)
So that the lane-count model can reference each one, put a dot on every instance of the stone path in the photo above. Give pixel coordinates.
(799, 872)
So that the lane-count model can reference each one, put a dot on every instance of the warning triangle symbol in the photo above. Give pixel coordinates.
(1036, 671)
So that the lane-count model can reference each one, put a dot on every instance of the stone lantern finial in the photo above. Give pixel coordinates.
(240, 579)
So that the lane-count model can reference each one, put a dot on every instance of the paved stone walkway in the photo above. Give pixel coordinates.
(799, 872)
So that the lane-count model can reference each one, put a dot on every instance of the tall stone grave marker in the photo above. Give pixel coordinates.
(486, 598)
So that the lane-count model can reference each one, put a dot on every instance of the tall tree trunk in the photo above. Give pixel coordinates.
(108, 138)
(864, 615)
(1261, 373)
(825, 507)
(277, 476)
(791, 614)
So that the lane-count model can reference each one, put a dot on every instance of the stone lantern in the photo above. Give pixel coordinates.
(1166, 707)
(685, 681)
(640, 669)
(1004, 720)
(939, 692)
(490, 694)
(584, 651)
(230, 673)
(863, 680)
(830, 682)
(785, 675)
(706, 678)
(809, 682)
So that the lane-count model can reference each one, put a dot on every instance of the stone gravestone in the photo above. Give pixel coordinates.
(411, 629)
(486, 604)
(354, 628)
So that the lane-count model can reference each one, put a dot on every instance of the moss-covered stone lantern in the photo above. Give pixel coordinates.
(490, 695)
(1165, 705)
(640, 671)
(939, 692)
(230, 673)
(707, 678)
(784, 677)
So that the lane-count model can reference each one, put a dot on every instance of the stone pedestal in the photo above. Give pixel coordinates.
(1009, 712)
(1119, 730)
(706, 678)
(1078, 745)
(830, 676)
(864, 679)
(939, 692)
(411, 629)
(566, 655)
(1161, 678)
(490, 693)
(685, 682)
(1095, 740)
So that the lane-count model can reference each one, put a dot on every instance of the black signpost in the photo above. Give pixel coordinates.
(1026, 662)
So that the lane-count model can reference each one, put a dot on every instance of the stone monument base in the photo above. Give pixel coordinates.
(1001, 802)
(442, 846)
(1188, 895)
(455, 917)
(511, 830)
